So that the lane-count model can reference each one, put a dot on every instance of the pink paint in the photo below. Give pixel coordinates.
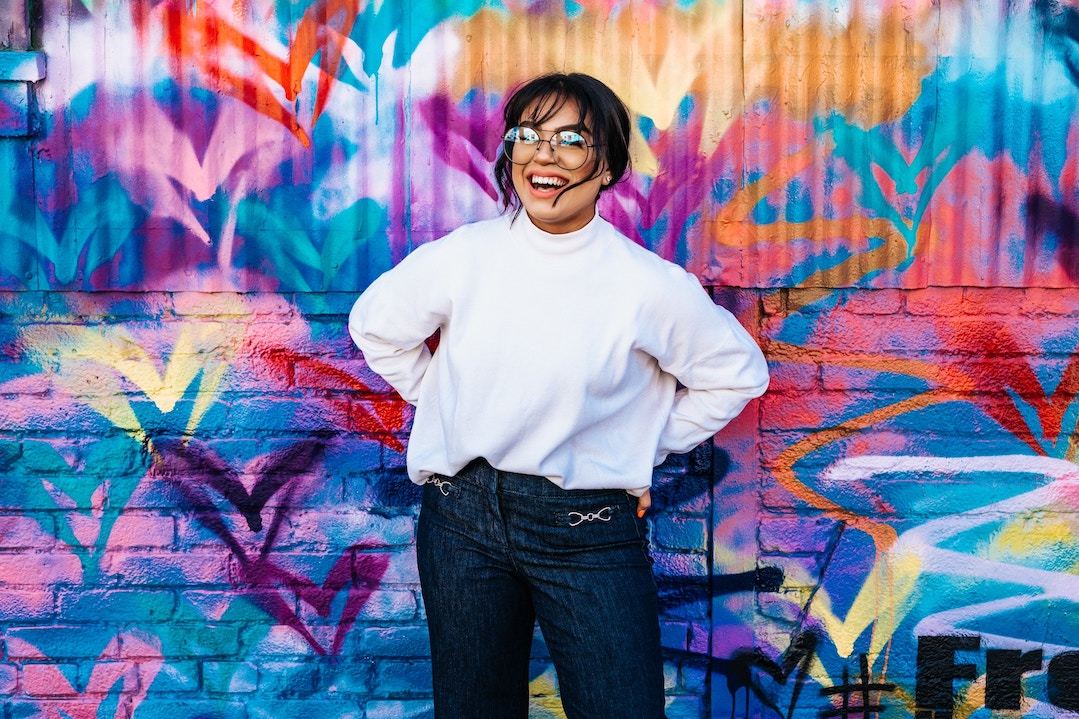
(44, 681)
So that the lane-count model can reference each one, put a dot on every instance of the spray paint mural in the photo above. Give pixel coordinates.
(203, 510)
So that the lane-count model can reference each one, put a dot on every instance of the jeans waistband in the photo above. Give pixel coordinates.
(480, 472)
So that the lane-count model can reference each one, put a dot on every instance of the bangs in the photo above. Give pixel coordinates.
(542, 108)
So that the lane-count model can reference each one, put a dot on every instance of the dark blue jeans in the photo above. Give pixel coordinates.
(499, 550)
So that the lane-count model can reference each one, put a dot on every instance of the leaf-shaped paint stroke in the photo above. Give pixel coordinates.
(98, 361)
(129, 678)
(665, 54)
(19, 227)
(89, 502)
(324, 31)
(96, 227)
(238, 64)
(454, 131)
(383, 423)
(264, 582)
(195, 461)
(281, 238)
(407, 22)
(358, 228)
(93, 232)
(296, 254)
(241, 154)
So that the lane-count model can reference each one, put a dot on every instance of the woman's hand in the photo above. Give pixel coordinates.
(643, 503)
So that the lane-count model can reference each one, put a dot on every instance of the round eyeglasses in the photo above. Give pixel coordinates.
(569, 148)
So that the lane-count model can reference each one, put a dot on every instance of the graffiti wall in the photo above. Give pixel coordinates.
(203, 506)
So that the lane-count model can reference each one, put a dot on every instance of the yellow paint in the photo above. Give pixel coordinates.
(733, 227)
(652, 56)
(544, 702)
(99, 365)
(1031, 533)
(882, 603)
(869, 69)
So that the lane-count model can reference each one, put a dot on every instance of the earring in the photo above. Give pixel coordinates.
(607, 180)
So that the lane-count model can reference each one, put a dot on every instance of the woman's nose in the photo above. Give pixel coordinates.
(545, 150)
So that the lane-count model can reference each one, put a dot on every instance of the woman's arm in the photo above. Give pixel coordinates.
(401, 309)
(711, 354)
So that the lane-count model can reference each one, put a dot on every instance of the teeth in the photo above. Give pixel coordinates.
(548, 181)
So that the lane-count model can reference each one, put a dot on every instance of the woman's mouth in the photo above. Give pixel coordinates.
(546, 185)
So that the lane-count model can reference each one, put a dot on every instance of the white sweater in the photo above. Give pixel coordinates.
(558, 356)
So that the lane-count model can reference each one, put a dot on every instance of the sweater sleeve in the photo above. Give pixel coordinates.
(710, 353)
(396, 314)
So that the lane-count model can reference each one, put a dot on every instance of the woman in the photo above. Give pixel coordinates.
(539, 418)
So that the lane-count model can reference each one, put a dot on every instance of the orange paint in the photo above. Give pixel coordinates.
(207, 42)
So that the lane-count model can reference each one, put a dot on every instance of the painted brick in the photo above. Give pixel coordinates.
(544, 678)
(289, 679)
(393, 459)
(686, 494)
(947, 301)
(814, 410)
(9, 678)
(343, 528)
(142, 530)
(229, 677)
(873, 302)
(690, 535)
(694, 678)
(774, 303)
(993, 300)
(411, 709)
(888, 378)
(176, 677)
(26, 605)
(310, 708)
(335, 305)
(670, 676)
(393, 678)
(699, 639)
(402, 569)
(36, 530)
(98, 678)
(796, 534)
(673, 634)
(383, 490)
(349, 677)
(60, 642)
(275, 641)
(685, 707)
(407, 641)
(389, 606)
(77, 419)
(118, 605)
(785, 606)
(679, 565)
(787, 376)
(202, 640)
(352, 375)
(1045, 301)
(166, 568)
(190, 708)
(799, 570)
(41, 680)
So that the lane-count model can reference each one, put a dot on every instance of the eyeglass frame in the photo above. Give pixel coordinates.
(550, 142)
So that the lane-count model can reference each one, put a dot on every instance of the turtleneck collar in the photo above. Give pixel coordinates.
(561, 243)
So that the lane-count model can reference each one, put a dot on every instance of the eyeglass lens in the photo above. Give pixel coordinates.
(522, 143)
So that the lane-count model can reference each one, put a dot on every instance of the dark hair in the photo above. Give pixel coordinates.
(601, 111)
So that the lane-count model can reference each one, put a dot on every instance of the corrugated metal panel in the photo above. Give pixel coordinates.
(255, 145)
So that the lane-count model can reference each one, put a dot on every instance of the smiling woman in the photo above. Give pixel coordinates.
(550, 398)
(567, 139)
